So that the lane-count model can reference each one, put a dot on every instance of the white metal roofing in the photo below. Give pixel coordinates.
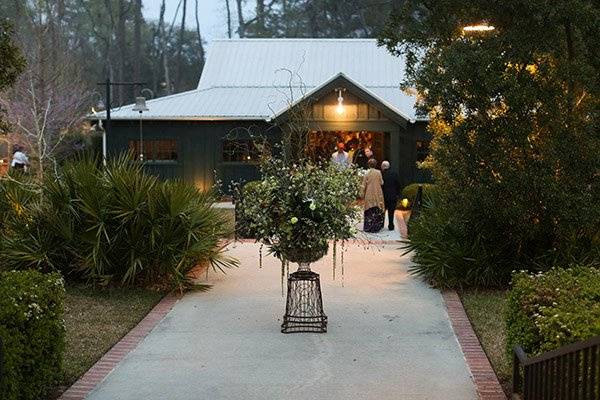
(250, 78)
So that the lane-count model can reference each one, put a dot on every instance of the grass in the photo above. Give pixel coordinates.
(96, 319)
(486, 310)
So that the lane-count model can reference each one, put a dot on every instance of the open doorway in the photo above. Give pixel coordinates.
(322, 144)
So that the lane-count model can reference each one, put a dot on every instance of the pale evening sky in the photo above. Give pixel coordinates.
(211, 13)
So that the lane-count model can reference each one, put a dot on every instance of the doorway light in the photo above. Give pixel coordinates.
(478, 28)
(340, 106)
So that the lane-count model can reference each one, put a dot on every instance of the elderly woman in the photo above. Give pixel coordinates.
(373, 196)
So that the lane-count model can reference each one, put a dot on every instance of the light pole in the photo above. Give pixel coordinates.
(140, 106)
(107, 126)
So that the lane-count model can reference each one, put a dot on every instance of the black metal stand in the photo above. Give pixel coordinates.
(304, 306)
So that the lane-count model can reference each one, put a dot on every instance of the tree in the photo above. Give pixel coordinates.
(44, 110)
(228, 10)
(514, 114)
(12, 63)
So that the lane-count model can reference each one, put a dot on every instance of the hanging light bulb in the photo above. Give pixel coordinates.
(340, 106)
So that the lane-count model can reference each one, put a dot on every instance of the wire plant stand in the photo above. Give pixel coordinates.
(304, 305)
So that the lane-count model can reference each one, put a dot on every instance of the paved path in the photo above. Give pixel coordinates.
(389, 338)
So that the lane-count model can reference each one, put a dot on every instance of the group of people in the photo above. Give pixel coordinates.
(355, 156)
(380, 189)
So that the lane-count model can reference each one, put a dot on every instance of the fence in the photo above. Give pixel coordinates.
(569, 373)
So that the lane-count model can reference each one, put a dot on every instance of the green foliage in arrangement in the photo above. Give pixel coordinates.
(114, 226)
(552, 309)
(32, 332)
(295, 210)
(448, 254)
(514, 115)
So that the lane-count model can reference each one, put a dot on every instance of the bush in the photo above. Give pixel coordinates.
(446, 253)
(410, 191)
(14, 196)
(31, 327)
(116, 225)
(553, 309)
(243, 195)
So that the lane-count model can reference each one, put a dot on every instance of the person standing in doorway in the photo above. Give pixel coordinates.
(340, 157)
(362, 157)
(20, 161)
(391, 190)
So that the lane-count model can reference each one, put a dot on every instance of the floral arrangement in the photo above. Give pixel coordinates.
(295, 210)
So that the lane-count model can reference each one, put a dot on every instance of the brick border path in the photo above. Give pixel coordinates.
(486, 381)
(88, 381)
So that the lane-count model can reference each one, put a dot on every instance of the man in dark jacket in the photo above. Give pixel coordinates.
(391, 190)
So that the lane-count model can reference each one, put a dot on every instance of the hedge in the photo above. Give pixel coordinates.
(410, 191)
(553, 309)
(32, 331)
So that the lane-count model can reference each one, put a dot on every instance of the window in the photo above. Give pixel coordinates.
(239, 151)
(154, 150)
(422, 150)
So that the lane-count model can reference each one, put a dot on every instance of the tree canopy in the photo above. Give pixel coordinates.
(515, 117)
(12, 63)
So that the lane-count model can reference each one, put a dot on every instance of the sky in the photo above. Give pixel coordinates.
(211, 14)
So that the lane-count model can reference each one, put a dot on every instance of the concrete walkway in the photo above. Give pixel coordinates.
(389, 338)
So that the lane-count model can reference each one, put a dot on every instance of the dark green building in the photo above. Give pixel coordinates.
(350, 88)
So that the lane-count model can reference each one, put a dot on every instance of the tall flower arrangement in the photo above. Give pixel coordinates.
(296, 209)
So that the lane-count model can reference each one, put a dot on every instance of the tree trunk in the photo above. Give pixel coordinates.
(180, 49)
(137, 44)
(200, 45)
(228, 19)
(163, 49)
(260, 18)
(241, 23)
(121, 49)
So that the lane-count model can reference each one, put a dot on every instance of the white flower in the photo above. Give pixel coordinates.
(312, 206)
(293, 220)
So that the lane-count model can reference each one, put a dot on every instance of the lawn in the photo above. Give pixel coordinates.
(486, 310)
(96, 319)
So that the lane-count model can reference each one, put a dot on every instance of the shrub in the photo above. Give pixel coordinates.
(31, 327)
(446, 253)
(514, 120)
(14, 196)
(116, 225)
(410, 191)
(552, 309)
(244, 196)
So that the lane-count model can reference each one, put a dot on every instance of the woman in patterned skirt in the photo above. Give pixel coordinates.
(373, 196)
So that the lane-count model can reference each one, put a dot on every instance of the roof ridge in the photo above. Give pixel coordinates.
(284, 86)
(294, 40)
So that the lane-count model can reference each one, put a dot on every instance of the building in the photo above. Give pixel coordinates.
(250, 85)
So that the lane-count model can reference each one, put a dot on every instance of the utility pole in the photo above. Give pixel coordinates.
(107, 86)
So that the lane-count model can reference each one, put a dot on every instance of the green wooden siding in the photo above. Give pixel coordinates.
(200, 147)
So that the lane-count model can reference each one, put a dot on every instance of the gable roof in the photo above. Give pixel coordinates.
(257, 79)
(341, 80)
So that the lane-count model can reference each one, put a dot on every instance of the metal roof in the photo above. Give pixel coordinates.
(257, 79)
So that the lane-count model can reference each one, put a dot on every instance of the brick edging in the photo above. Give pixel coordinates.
(486, 382)
(96, 374)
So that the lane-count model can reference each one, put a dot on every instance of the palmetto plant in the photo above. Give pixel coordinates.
(117, 225)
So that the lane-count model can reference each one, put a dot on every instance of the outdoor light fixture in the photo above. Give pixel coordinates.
(340, 106)
(478, 28)
(140, 106)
